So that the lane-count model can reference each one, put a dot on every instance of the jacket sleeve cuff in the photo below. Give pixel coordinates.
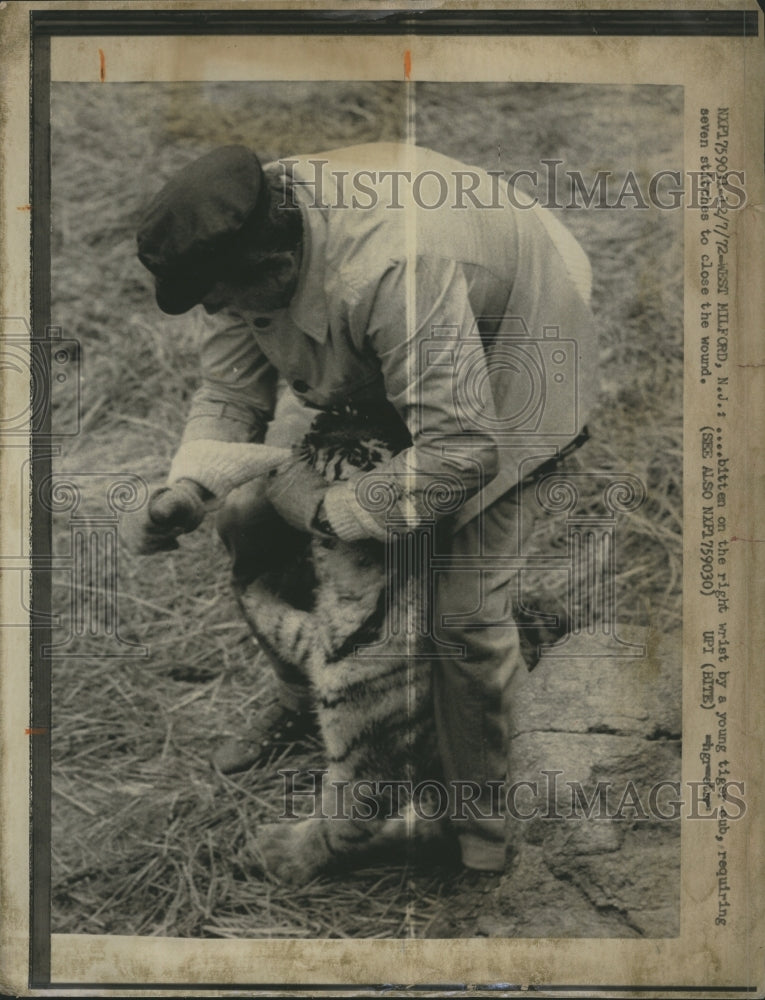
(221, 466)
(348, 518)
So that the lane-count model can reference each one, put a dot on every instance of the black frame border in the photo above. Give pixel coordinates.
(400, 22)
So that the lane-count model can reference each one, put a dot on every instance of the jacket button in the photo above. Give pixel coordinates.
(261, 322)
(300, 386)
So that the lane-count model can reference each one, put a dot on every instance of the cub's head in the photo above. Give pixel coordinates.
(340, 444)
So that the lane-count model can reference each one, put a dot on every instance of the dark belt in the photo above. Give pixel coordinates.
(552, 463)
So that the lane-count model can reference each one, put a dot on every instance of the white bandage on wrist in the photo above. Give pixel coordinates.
(221, 466)
(348, 518)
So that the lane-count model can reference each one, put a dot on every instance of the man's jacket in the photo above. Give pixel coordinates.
(421, 285)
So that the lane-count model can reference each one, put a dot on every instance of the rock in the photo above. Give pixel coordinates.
(594, 753)
(549, 906)
(605, 694)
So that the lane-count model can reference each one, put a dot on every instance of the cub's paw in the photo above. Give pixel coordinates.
(282, 851)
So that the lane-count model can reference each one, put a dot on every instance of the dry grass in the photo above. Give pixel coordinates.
(146, 839)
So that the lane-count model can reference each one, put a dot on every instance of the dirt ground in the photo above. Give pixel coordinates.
(146, 839)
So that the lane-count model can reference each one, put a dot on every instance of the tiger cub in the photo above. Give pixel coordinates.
(374, 711)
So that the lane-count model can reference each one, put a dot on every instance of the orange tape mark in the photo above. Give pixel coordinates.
(102, 64)
(408, 64)
(23, 208)
(39, 731)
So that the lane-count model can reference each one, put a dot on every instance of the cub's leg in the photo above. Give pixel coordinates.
(294, 851)
(375, 744)
(289, 633)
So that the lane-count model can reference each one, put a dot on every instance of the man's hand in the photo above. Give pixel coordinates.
(295, 492)
(171, 511)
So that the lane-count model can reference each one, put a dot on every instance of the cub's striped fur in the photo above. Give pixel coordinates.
(374, 711)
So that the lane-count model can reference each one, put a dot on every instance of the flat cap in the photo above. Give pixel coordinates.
(194, 227)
